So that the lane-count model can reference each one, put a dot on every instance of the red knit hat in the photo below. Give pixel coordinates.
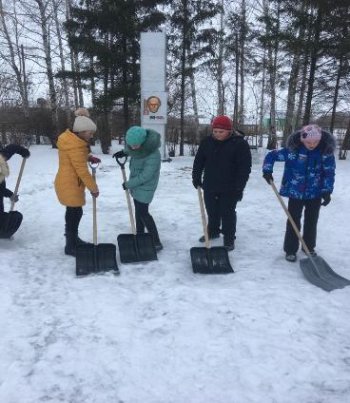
(222, 122)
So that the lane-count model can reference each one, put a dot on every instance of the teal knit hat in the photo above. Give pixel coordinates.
(135, 135)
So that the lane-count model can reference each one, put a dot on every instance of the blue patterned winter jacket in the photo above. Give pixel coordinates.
(307, 173)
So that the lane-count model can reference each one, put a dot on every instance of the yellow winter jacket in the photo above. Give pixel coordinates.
(73, 172)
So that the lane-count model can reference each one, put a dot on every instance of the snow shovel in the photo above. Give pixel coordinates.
(134, 247)
(95, 258)
(315, 269)
(11, 221)
(207, 260)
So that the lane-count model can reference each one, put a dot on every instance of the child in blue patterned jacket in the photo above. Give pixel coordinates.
(308, 181)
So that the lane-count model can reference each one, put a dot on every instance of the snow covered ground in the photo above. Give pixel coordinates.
(159, 333)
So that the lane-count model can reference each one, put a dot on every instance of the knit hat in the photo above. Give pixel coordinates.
(222, 122)
(136, 135)
(82, 121)
(310, 132)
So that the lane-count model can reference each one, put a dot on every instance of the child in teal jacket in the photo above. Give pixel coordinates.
(142, 145)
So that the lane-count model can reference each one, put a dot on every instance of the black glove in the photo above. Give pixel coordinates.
(197, 182)
(124, 186)
(238, 194)
(268, 177)
(326, 197)
(11, 149)
(120, 154)
(24, 152)
(14, 198)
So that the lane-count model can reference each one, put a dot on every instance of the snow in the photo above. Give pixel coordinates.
(159, 333)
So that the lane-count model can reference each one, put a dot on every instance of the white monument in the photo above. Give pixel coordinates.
(154, 98)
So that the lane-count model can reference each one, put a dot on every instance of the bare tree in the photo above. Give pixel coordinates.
(13, 53)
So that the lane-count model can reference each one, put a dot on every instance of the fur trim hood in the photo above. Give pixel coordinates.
(4, 169)
(327, 144)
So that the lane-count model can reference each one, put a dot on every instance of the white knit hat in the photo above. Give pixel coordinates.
(313, 132)
(82, 121)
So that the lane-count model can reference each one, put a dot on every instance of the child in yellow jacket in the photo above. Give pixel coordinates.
(73, 174)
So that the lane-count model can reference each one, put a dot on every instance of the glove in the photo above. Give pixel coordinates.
(326, 199)
(93, 160)
(120, 154)
(24, 152)
(268, 177)
(14, 198)
(238, 194)
(124, 186)
(11, 149)
(196, 183)
(95, 193)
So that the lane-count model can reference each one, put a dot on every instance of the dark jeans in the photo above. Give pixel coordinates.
(145, 220)
(73, 217)
(221, 209)
(311, 213)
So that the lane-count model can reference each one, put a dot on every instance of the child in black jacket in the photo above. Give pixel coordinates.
(224, 160)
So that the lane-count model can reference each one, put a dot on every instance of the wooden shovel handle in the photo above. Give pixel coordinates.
(128, 200)
(290, 218)
(18, 182)
(204, 218)
(94, 207)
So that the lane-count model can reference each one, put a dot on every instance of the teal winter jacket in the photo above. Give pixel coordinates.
(144, 168)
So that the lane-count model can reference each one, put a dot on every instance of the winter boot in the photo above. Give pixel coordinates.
(291, 257)
(211, 236)
(71, 244)
(81, 242)
(229, 244)
(152, 229)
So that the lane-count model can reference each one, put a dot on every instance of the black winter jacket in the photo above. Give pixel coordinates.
(226, 164)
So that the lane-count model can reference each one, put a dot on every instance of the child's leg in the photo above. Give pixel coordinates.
(73, 217)
(291, 241)
(212, 206)
(140, 211)
(229, 217)
(144, 217)
(311, 214)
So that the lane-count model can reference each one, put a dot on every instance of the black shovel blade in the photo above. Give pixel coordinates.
(136, 248)
(323, 276)
(9, 223)
(96, 258)
(210, 260)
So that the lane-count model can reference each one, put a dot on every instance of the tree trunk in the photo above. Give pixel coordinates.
(63, 67)
(343, 150)
(236, 106)
(183, 76)
(313, 62)
(336, 93)
(242, 61)
(262, 99)
(220, 82)
(194, 105)
(44, 21)
(289, 125)
(20, 79)
(302, 91)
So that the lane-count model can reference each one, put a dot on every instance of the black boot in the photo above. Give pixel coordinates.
(152, 229)
(229, 244)
(71, 244)
(81, 242)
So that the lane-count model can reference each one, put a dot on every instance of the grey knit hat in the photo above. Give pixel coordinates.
(82, 121)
